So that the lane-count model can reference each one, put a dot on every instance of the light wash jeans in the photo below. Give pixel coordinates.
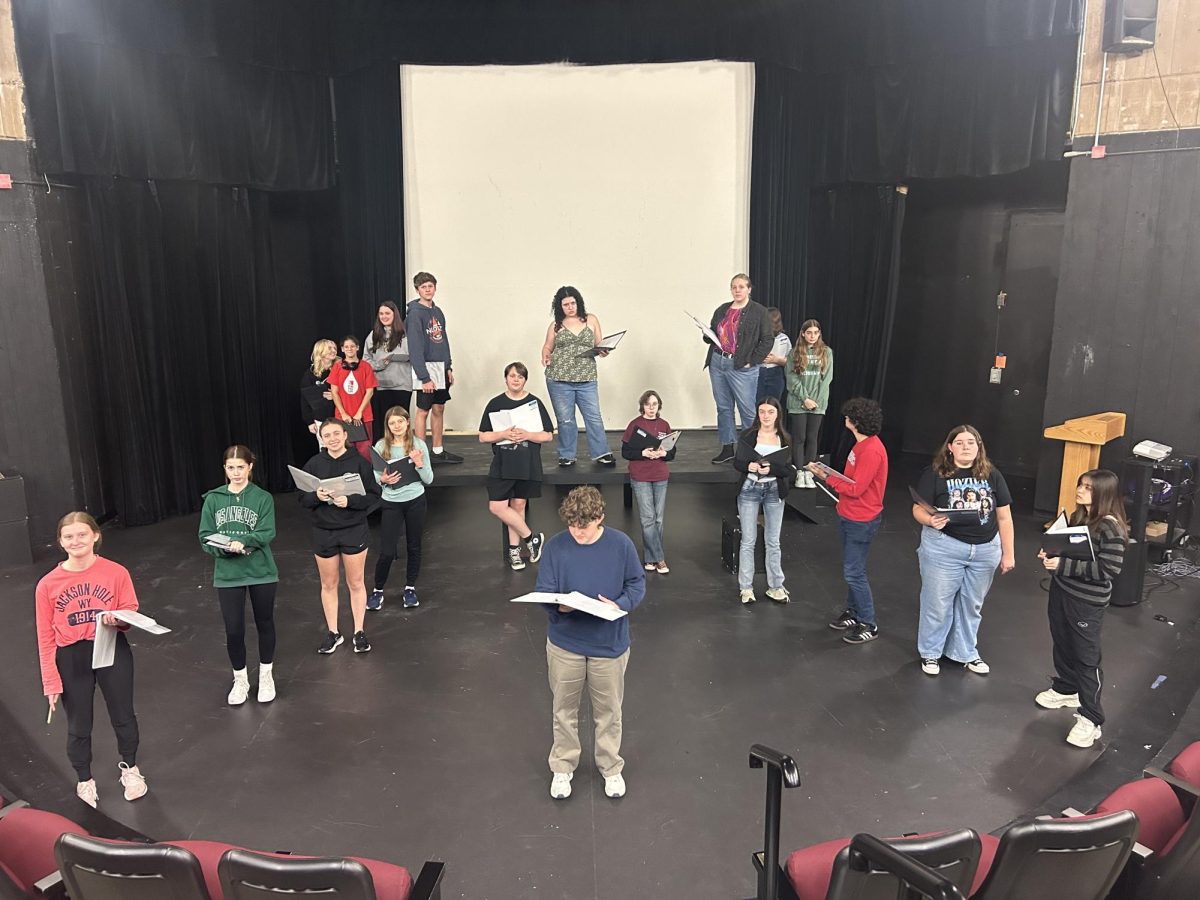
(732, 387)
(652, 506)
(752, 496)
(856, 544)
(955, 578)
(564, 397)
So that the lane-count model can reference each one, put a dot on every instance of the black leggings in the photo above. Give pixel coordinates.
(806, 428)
(233, 611)
(79, 682)
(407, 518)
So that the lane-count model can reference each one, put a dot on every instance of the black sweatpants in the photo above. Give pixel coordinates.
(1075, 629)
(805, 428)
(233, 611)
(79, 682)
(406, 518)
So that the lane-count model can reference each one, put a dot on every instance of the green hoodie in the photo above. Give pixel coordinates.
(248, 517)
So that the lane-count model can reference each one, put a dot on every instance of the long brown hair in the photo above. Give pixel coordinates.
(1106, 501)
(800, 349)
(389, 439)
(943, 460)
(242, 452)
(378, 339)
(785, 439)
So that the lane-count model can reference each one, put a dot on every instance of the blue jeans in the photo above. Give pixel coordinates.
(856, 544)
(955, 578)
(732, 387)
(652, 506)
(564, 397)
(752, 496)
(771, 383)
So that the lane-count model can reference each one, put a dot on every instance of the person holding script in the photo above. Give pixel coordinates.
(583, 650)
(76, 597)
(961, 548)
(1079, 592)
(649, 444)
(763, 454)
(339, 531)
(515, 476)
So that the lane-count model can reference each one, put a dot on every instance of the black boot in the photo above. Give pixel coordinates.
(724, 455)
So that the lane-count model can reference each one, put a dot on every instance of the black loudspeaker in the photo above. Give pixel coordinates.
(1129, 25)
(1137, 490)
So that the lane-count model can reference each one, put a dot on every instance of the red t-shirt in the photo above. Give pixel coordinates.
(867, 465)
(648, 469)
(352, 385)
(66, 606)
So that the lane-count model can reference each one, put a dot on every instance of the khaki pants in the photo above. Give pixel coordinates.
(605, 680)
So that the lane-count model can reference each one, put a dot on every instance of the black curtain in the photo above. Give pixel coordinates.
(371, 194)
(851, 277)
(199, 336)
(205, 91)
(780, 179)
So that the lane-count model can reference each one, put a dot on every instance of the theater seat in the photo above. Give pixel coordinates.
(823, 871)
(95, 869)
(27, 838)
(1186, 765)
(259, 876)
(1057, 859)
(1166, 863)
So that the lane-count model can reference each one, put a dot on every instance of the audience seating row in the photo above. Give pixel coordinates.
(1077, 857)
(46, 855)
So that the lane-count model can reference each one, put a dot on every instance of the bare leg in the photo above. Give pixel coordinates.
(510, 516)
(355, 564)
(328, 568)
(437, 418)
(419, 416)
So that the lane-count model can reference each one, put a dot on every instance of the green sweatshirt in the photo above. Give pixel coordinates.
(248, 517)
(813, 384)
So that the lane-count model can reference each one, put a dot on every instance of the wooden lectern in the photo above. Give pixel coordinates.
(1084, 437)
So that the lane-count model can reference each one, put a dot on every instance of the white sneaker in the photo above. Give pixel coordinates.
(800, 482)
(133, 781)
(1052, 699)
(86, 791)
(931, 666)
(746, 595)
(779, 594)
(560, 785)
(241, 688)
(614, 786)
(978, 666)
(266, 683)
(1084, 733)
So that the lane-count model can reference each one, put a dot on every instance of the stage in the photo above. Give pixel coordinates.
(434, 745)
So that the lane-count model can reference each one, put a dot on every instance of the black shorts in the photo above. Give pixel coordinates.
(513, 489)
(425, 401)
(329, 542)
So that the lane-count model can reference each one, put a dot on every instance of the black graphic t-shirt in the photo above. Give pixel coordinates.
(521, 462)
(965, 491)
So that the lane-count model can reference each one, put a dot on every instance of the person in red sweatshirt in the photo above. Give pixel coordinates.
(860, 510)
(69, 601)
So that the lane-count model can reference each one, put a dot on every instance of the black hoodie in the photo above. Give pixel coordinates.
(358, 507)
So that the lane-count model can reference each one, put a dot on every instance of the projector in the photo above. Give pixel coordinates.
(1151, 450)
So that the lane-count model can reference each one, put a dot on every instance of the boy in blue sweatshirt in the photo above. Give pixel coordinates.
(583, 650)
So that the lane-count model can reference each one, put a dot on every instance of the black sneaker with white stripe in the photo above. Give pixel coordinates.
(361, 644)
(861, 633)
(845, 619)
(332, 641)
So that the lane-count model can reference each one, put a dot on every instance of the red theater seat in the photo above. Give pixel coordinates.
(27, 838)
(1057, 859)
(1186, 765)
(822, 871)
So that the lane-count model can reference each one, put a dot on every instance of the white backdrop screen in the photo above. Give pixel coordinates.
(629, 182)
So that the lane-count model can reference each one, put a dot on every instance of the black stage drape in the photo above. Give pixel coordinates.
(199, 339)
(371, 191)
(852, 272)
(212, 92)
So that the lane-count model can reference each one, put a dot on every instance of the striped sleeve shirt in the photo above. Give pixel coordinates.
(1092, 580)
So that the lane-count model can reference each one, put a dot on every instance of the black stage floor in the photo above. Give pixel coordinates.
(434, 745)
